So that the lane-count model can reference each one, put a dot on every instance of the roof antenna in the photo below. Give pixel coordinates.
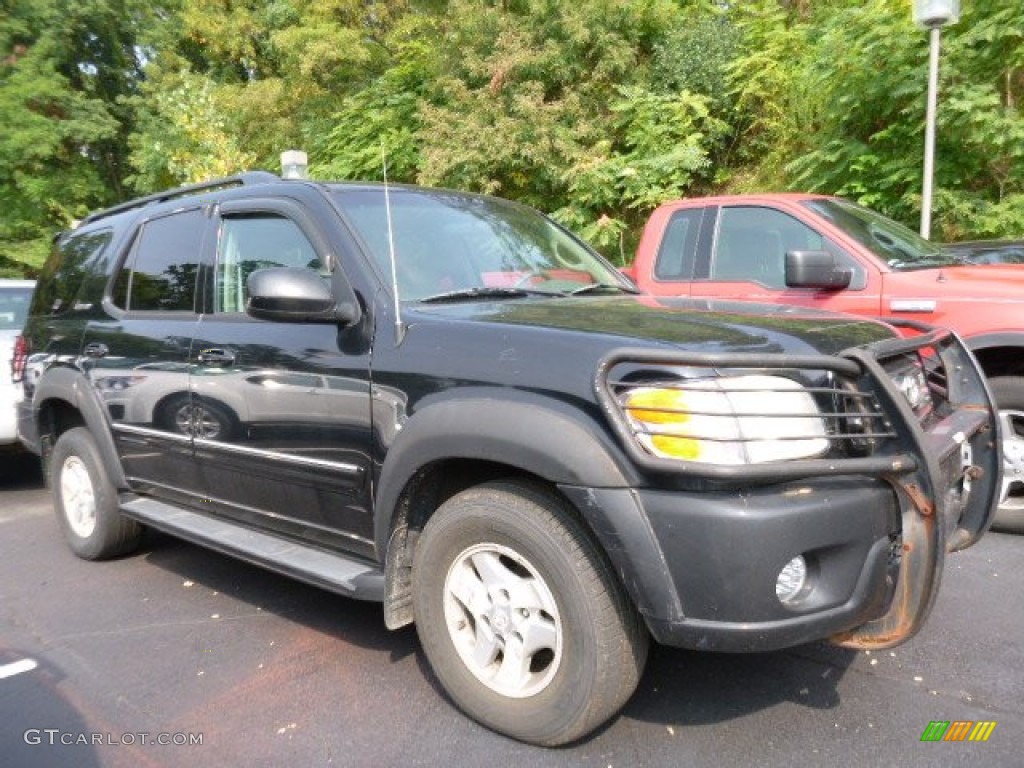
(400, 327)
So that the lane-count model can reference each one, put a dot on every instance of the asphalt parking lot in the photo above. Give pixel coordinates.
(230, 665)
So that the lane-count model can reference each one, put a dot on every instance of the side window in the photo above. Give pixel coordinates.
(67, 267)
(252, 242)
(752, 242)
(678, 249)
(161, 269)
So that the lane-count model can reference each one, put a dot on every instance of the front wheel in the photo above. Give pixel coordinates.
(86, 501)
(521, 616)
(1009, 394)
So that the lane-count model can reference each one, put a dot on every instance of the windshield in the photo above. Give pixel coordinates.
(14, 303)
(894, 244)
(451, 244)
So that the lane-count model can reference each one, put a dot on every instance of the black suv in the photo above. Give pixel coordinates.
(448, 404)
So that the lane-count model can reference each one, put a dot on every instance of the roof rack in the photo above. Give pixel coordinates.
(238, 180)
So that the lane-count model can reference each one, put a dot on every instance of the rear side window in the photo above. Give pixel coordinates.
(161, 269)
(62, 277)
(678, 249)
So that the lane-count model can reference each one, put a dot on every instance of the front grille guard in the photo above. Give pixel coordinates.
(947, 479)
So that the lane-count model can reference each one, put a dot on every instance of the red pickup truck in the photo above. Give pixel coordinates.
(829, 253)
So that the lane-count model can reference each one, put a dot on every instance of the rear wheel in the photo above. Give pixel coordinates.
(1009, 394)
(86, 501)
(521, 617)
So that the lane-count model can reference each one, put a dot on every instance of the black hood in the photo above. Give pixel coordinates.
(698, 325)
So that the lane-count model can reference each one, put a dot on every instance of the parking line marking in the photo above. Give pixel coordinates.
(17, 667)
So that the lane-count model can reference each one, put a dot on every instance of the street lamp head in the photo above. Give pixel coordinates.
(931, 14)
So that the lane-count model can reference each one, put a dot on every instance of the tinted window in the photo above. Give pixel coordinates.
(248, 243)
(62, 276)
(679, 246)
(160, 272)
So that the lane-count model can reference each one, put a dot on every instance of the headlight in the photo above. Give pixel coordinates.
(727, 420)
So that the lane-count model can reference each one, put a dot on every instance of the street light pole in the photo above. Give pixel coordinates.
(929, 133)
(932, 15)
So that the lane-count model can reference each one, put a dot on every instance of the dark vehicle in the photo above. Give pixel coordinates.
(538, 467)
(987, 251)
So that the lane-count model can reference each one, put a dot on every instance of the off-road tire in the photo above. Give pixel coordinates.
(529, 537)
(86, 501)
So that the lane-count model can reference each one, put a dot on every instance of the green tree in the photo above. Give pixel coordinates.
(259, 77)
(62, 72)
(552, 103)
(843, 112)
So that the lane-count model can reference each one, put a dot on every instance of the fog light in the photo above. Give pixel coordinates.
(791, 579)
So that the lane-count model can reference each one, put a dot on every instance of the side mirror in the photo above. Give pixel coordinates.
(816, 269)
(296, 295)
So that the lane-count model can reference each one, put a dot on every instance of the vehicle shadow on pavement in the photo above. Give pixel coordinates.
(693, 688)
(39, 726)
(678, 688)
(20, 472)
(353, 621)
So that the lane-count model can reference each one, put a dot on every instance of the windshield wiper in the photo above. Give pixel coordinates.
(484, 292)
(597, 287)
(511, 292)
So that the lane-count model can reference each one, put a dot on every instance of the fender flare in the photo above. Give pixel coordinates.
(533, 433)
(70, 386)
(998, 339)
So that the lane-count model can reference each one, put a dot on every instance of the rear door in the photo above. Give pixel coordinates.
(136, 352)
(289, 408)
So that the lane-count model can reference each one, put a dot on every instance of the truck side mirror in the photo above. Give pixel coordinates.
(296, 295)
(816, 269)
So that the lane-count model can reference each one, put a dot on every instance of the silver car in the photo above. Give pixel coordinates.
(15, 297)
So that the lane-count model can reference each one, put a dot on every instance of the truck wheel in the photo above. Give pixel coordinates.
(1009, 394)
(521, 617)
(86, 501)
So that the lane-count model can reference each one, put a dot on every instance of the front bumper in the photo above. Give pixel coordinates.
(702, 564)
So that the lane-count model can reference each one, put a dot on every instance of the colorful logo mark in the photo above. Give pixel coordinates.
(958, 730)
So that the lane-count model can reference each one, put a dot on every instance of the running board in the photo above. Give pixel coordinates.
(334, 572)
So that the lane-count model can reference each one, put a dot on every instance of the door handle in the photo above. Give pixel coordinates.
(217, 356)
(96, 349)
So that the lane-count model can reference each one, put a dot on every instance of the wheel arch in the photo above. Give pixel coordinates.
(64, 399)
(453, 445)
(999, 354)
(533, 435)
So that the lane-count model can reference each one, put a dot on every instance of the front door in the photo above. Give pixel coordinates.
(289, 438)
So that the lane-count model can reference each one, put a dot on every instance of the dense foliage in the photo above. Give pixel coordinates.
(594, 110)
